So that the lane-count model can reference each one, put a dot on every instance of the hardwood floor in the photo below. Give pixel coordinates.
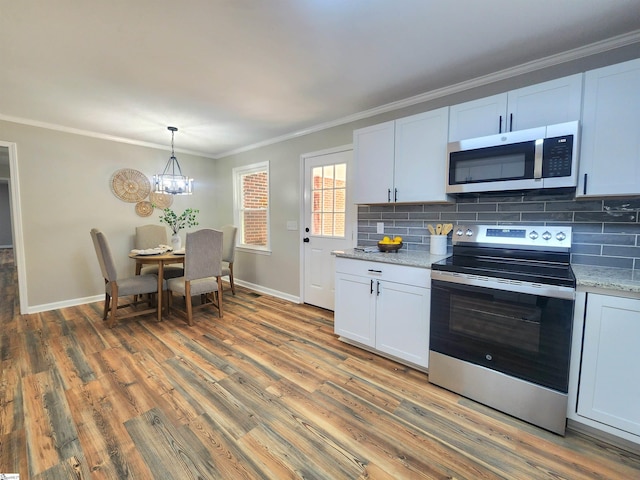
(265, 392)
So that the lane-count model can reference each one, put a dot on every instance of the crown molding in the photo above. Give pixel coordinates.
(564, 57)
(553, 60)
(101, 136)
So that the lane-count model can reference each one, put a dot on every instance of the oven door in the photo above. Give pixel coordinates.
(519, 329)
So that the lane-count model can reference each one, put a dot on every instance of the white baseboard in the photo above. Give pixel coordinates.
(268, 291)
(66, 303)
(99, 298)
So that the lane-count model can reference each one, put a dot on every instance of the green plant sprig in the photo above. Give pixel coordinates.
(178, 222)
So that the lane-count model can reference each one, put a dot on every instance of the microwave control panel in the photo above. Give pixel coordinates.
(556, 156)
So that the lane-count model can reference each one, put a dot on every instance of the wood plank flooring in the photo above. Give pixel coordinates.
(268, 391)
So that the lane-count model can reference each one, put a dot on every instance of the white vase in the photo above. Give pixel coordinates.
(176, 242)
(438, 245)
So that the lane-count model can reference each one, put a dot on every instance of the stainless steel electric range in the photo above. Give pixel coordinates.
(501, 318)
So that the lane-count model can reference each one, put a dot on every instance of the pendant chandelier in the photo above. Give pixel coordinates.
(171, 180)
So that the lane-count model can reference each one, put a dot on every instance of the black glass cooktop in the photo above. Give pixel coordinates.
(535, 267)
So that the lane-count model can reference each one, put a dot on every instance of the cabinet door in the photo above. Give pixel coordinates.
(609, 386)
(548, 103)
(402, 322)
(421, 157)
(610, 156)
(373, 163)
(478, 118)
(354, 316)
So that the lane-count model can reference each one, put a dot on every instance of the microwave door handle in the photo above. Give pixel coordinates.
(537, 159)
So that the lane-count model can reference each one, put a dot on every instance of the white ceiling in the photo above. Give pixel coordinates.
(235, 73)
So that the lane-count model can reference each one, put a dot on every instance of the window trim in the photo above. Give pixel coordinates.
(237, 174)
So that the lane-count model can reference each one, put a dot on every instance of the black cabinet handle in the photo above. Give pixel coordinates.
(500, 124)
(511, 122)
(374, 271)
(371, 291)
(584, 185)
(377, 289)
(389, 195)
(395, 194)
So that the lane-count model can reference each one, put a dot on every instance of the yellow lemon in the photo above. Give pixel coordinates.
(397, 240)
(386, 240)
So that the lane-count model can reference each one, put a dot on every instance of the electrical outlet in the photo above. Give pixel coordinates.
(380, 227)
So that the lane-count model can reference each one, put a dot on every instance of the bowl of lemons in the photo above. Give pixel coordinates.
(388, 244)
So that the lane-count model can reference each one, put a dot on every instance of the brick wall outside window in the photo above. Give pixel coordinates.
(255, 194)
(251, 205)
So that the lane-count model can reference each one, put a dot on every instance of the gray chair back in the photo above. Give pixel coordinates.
(150, 236)
(229, 233)
(105, 259)
(203, 254)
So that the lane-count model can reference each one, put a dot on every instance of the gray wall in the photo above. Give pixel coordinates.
(605, 231)
(280, 271)
(64, 192)
(5, 216)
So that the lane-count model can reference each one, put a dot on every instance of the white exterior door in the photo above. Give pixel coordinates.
(329, 216)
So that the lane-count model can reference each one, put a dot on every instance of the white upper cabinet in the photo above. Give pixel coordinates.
(548, 103)
(610, 153)
(402, 161)
(478, 118)
(373, 163)
(421, 157)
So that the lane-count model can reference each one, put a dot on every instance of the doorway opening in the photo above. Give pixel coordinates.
(11, 240)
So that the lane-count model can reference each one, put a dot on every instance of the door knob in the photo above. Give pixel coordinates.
(305, 239)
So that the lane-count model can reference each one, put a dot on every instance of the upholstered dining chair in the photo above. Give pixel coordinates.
(229, 233)
(150, 236)
(202, 272)
(116, 286)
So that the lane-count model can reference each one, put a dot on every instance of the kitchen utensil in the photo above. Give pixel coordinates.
(439, 229)
(431, 229)
(446, 229)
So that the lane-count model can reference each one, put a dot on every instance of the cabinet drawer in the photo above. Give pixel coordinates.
(420, 277)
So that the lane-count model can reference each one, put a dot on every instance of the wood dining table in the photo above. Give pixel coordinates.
(161, 259)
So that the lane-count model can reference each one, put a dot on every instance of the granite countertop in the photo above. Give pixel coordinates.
(409, 258)
(588, 277)
(607, 278)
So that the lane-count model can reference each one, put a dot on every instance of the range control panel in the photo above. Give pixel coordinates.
(538, 236)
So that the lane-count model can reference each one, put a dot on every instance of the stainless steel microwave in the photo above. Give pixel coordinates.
(543, 157)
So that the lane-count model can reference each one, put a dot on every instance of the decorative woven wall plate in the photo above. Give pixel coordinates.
(144, 208)
(130, 185)
(161, 200)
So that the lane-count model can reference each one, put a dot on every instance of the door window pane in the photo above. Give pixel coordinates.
(329, 189)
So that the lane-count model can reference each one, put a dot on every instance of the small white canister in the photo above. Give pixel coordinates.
(438, 245)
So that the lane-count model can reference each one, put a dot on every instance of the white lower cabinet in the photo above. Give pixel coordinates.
(608, 390)
(355, 308)
(384, 306)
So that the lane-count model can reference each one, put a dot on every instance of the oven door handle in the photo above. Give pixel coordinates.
(551, 291)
